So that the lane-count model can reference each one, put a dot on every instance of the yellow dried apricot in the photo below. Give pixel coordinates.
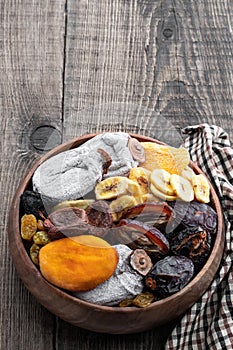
(79, 263)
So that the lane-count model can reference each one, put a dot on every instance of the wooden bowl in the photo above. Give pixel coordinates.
(113, 320)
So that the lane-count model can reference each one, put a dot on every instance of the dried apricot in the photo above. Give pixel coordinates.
(79, 263)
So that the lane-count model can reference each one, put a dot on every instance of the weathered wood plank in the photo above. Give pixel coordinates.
(31, 68)
(171, 56)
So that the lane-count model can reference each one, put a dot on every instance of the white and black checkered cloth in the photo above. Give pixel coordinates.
(208, 324)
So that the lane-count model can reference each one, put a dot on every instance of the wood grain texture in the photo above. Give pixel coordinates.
(148, 66)
(170, 56)
(31, 67)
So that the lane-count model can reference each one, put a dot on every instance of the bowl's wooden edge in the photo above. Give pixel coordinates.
(30, 275)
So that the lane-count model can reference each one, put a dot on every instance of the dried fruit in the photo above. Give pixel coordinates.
(78, 264)
(188, 174)
(149, 197)
(142, 177)
(136, 235)
(162, 195)
(173, 160)
(122, 203)
(32, 203)
(67, 217)
(169, 275)
(182, 188)
(41, 238)
(136, 150)
(40, 225)
(100, 218)
(194, 243)
(155, 214)
(107, 160)
(194, 214)
(67, 221)
(28, 226)
(201, 188)
(140, 261)
(126, 302)
(79, 203)
(124, 283)
(160, 178)
(111, 187)
(143, 299)
(34, 253)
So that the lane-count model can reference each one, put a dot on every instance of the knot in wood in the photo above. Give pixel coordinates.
(168, 32)
(45, 137)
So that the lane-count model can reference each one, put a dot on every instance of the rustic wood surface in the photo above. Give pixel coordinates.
(74, 67)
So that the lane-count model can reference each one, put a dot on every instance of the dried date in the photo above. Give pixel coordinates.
(194, 243)
(193, 214)
(169, 275)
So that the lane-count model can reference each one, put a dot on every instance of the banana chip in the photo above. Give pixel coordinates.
(201, 188)
(182, 188)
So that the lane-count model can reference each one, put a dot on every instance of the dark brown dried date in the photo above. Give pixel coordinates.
(138, 235)
(153, 213)
(194, 243)
(193, 214)
(169, 275)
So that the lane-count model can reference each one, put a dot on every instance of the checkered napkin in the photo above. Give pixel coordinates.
(209, 323)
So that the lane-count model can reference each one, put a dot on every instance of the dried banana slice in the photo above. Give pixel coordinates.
(133, 188)
(111, 187)
(79, 203)
(122, 203)
(149, 197)
(142, 177)
(188, 174)
(157, 193)
(160, 178)
(201, 188)
(182, 188)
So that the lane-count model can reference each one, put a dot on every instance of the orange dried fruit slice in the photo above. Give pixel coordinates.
(174, 160)
(79, 263)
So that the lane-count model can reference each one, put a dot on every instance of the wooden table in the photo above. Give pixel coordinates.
(74, 67)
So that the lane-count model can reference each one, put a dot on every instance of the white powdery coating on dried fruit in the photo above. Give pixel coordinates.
(124, 283)
(74, 173)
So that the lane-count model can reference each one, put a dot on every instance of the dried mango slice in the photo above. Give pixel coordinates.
(174, 160)
(78, 263)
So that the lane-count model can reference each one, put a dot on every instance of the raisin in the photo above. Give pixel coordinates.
(41, 238)
(40, 225)
(143, 299)
(28, 226)
(32, 203)
(126, 302)
(34, 253)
